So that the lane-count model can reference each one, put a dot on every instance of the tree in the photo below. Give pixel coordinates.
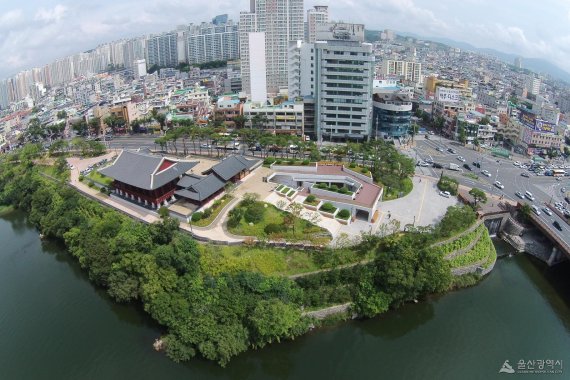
(240, 121)
(163, 212)
(272, 320)
(62, 115)
(295, 208)
(478, 195)
(525, 211)
(484, 120)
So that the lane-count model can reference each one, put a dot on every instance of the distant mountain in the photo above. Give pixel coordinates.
(537, 65)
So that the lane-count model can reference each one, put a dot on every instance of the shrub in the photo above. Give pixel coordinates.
(291, 162)
(343, 190)
(333, 188)
(163, 212)
(254, 213)
(273, 228)
(196, 216)
(305, 162)
(91, 184)
(311, 199)
(364, 170)
(448, 184)
(207, 213)
(269, 161)
(217, 202)
(249, 199)
(278, 162)
(352, 165)
(328, 207)
(103, 190)
(234, 217)
(343, 214)
(81, 178)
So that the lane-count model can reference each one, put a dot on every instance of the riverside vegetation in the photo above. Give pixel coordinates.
(216, 302)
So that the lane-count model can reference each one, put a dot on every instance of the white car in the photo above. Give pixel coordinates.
(516, 163)
(445, 194)
(485, 173)
(461, 158)
(547, 211)
(499, 185)
(439, 149)
(519, 194)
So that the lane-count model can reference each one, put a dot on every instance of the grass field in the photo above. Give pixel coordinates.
(100, 178)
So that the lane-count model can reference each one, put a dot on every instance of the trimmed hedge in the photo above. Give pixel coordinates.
(343, 214)
(328, 207)
(196, 216)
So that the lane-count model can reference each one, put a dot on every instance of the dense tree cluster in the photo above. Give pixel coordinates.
(215, 317)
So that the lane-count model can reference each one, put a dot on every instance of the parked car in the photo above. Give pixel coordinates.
(563, 190)
(557, 225)
(452, 151)
(547, 211)
(529, 195)
(535, 209)
(499, 185)
(461, 158)
(422, 163)
(467, 167)
(519, 194)
(439, 149)
(437, 166)
(477, 164)
(445, 194)
(525, 174)
(486, 173)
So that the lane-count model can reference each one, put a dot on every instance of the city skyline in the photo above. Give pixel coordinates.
(39, 32)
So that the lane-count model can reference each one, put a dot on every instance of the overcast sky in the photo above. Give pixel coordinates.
(36, 32)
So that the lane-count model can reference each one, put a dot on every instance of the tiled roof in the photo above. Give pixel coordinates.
(140, 170)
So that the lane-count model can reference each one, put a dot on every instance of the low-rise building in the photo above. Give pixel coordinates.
(285, 118)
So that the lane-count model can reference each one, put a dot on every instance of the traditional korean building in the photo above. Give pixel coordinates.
(146, 179)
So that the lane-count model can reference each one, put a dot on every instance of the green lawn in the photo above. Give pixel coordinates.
(302, 230)
(391, 193)
(100, 178)
(51, 171)
(216, 208)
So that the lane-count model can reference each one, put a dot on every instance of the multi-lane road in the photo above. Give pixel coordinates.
(545, 189)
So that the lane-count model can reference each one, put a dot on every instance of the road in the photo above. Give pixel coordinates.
(544, 189)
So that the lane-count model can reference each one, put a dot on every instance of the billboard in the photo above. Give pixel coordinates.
(527, 118)
(544, 126)
(444, 94)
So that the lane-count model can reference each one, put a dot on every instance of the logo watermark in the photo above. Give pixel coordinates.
(535, 366)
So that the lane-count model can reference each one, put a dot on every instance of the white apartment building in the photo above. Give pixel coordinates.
(337, 71)
(407, 70)
(139, 68)
(162, 50)
(532, 85)
(209, 42)
(282, 22)
(318, 15)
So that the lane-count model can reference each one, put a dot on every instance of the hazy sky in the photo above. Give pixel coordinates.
(35, 32)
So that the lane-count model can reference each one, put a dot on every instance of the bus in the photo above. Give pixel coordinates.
(558, 173)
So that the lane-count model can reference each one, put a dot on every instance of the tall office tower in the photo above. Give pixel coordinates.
(337, 71)
(408, 70)
(182, 52)
(317, 16)
(209, 42)
(162, 50)
(282, 22)
(518, 62)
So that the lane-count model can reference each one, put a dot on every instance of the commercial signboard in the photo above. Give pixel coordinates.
(544, 126)
(527, 118)
(444, 94)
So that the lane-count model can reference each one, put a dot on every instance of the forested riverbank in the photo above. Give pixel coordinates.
(219, 316)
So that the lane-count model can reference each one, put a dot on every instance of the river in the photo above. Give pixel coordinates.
(55, 325)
